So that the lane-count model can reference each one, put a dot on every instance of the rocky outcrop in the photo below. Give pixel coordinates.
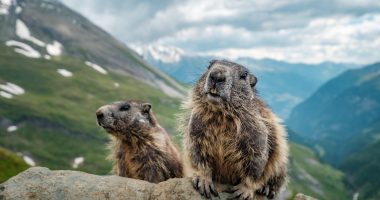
(41, 183)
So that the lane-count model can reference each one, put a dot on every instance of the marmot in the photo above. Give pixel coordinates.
(231, 137)
(141, 148)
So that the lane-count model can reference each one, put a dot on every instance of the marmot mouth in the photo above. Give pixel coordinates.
(213, 94)
(107, 128)
(214, 97)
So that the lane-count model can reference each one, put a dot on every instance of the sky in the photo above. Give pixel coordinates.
(298, 31)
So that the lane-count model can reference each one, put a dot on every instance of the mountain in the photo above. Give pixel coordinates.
(45, 28)
(341, 120)
(283, 85)
(56, 69)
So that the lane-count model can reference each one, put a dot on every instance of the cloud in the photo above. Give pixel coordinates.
(340, 39)
(307, 31)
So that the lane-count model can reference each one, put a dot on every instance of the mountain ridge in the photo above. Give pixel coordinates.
(283, 85)
(341, 122)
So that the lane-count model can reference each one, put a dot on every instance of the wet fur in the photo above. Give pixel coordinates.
(239, 142)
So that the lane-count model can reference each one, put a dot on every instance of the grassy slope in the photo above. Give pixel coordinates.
(365, 178)
(310, 177)
(10, 164)
(56, 112)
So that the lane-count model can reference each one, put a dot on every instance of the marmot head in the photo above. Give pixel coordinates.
(123, 118)
(226, 82)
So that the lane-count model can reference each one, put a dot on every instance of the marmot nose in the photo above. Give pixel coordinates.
(217, 77)
(99, 115)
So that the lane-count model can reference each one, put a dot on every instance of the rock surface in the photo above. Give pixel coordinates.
(41, 183)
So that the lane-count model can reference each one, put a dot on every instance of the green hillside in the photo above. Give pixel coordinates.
(309, 176)
(10, 164)
(362, 169)
(56, 115)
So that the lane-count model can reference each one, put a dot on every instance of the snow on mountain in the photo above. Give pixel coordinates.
(12, 128)
(18, 9)
(77, 161)
(4, 6)
(166, 54)
(23, 49)
(6, 95)
(23, 32)
(54, 49)
(29, 160)
(12, 88)
(65, 73)
(96, 67)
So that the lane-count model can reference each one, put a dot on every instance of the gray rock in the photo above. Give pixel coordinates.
(41, 183)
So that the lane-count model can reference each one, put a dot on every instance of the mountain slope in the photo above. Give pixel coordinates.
(55, 114)
(56, 69)
(48, 24)
(341, 121)
(366, 177)
(309, 176)
(344, 107)
(10, 164)
(283, 85)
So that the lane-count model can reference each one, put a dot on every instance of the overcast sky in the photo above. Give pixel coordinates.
(309, 31)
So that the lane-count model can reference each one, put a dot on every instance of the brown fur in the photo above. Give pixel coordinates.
(141, 150)
(238, 141)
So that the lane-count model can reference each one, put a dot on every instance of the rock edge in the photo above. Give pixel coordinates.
(42, 183)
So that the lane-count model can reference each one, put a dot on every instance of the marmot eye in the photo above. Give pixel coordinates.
(244, 75)
(124, 107)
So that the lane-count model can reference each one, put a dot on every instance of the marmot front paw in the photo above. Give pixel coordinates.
(204, 186)
(241, 192)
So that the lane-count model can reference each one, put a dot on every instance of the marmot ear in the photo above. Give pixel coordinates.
(146, 107)
(211, 63)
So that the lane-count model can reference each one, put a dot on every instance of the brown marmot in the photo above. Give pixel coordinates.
(232, 137)
(141, 148)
